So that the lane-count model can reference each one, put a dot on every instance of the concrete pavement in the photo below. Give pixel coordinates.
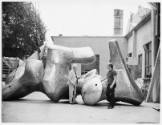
(36, 107)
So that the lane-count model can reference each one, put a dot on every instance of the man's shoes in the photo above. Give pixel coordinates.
(110, 106)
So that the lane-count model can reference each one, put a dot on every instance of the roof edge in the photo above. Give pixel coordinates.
(142, 22)
(88, 36)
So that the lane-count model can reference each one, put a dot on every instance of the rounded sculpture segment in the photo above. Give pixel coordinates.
(92, 88)
(125, 91)
(34, 72)
(27, 79)
(83, 55)
(36, 54)
(75, 55)
(17, 73)
(56, 72)
(83, 78)
(59, 58)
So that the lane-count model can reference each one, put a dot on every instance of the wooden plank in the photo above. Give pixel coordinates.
(154, 88)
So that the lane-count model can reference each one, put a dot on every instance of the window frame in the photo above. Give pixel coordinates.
(148, 59)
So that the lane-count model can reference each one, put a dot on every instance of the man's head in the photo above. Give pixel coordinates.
(74, 67)
(70, 67)
(110, 66)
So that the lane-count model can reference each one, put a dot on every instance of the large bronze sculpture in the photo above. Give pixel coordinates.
(51, 77)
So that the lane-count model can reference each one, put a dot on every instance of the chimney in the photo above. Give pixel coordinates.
(118, 22)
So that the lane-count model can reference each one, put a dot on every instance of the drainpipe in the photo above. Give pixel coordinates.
(153, 37)
(135, 57)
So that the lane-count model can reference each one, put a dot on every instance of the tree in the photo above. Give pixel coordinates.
(22, 29)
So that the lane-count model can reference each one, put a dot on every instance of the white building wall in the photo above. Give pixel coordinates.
(97, 43)
(130, 44)
(143, 36)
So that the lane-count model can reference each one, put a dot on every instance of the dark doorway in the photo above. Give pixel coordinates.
(148, 60)
(139, 66)
(87, 67)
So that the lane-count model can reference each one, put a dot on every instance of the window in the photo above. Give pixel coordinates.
(148, 60)
(87, 67)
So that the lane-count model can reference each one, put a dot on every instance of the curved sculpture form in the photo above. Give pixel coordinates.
(57, 68)
(126, 89)
(90, 87)
(53, 81)
(27, 79)
(93, 89)
(136, 93)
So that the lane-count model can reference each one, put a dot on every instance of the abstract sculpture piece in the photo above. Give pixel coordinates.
(127, 89)
(27, 79)
(91, 87)
(57, 68)
(53, 79)
(31, 76)
(93, 90)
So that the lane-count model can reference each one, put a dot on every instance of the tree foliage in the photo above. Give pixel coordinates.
(22, 29)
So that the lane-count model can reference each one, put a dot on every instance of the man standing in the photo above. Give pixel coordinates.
(72, 81)
(111, 85)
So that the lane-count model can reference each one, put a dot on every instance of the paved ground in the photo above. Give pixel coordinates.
(38, 108)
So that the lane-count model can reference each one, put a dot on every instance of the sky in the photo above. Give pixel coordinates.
(83, 17)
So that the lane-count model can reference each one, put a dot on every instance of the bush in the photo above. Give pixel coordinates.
(22, 29)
